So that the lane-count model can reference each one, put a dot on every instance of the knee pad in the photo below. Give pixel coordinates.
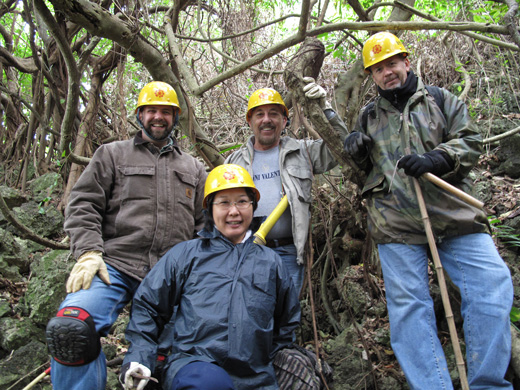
(72, 339)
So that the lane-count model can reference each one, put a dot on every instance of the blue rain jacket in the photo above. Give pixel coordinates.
(235, 306)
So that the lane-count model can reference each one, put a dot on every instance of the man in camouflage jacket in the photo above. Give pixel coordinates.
(406, 130)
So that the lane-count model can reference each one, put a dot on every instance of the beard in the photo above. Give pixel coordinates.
(267, 140)
(159, 133)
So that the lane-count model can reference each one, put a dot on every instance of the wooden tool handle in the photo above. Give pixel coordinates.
(454, 190)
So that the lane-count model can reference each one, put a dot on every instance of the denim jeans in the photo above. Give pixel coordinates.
(104, 303)
(289, 257)
(486, 289)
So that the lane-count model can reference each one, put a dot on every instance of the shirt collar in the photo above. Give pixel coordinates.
(171, 145)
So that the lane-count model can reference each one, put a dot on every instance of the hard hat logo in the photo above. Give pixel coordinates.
(265, 96)
(377, 49)
(159, 93)
(229, 175)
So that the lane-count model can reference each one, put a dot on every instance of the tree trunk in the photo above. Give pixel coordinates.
(307, 63)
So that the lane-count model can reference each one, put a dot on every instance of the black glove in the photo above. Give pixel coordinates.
(437, 162)
(357, 145)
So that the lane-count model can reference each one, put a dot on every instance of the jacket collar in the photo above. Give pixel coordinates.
(286, 143)
(215, 233)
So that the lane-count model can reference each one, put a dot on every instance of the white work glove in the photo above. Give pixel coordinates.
(314, 91)
(132, 378)
(88, 265)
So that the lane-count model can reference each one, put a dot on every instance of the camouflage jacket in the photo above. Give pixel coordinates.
(393, 212)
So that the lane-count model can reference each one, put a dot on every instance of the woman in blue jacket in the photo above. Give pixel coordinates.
(235, 306)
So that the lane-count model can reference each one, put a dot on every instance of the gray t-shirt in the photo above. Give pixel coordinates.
(266, 175)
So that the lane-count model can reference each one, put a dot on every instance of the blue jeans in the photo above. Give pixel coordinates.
(202, 375)
(289, 257)
(486, 289)
(104, 303)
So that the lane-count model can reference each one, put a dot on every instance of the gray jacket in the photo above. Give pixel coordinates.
(300, 160)
(134, 202)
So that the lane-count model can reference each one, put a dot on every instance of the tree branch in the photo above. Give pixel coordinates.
(510, 20)
(275, 49)
(303, 64)
(226, 37)
(501, 136)
(24, 65)
(359, 10)
(412, 26)
(73, 76)
(25, 231)
(482, 38)
(177, 56)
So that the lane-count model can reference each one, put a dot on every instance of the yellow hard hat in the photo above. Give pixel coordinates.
(262, 97)
(228, 176)
(381, 46)
(158, 93)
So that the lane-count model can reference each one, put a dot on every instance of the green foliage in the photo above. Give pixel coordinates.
(230, 148)
(506, 234)
(339, 53)
(514, 315)
(41, 208)
(440, 9)
(489, 12)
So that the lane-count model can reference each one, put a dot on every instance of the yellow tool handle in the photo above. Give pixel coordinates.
(268, 224)
(38, 378)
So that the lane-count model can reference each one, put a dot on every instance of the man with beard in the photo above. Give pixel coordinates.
(285, 166)
(407, 127)
(134, 201)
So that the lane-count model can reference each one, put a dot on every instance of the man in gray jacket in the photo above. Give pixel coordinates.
(285, 166)
(134, 201)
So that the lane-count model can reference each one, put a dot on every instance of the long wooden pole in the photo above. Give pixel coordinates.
(37, 379)
(442, 284)
(454, 190)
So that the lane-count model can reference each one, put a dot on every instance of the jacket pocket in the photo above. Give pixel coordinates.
(375, 182)
(135, 218)
(302, 179)
(263, 300)
(137, 182)
(187, 189)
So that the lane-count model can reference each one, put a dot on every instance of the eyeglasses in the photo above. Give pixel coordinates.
(239, 204)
